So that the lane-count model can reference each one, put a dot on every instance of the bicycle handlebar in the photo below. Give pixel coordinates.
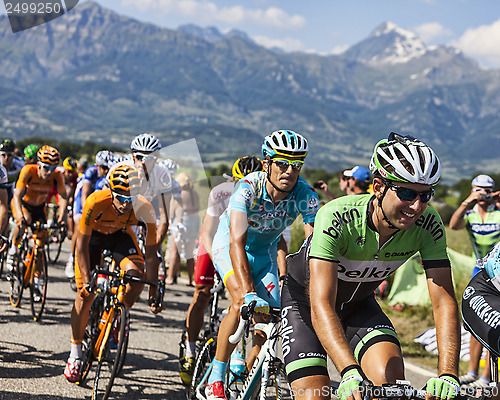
(246, 313)
(217, 288)
(401, 390)
(118, 274)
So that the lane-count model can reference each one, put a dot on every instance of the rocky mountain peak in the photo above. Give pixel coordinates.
(388, 44)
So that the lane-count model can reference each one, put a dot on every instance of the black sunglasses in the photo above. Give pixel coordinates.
(406, 194)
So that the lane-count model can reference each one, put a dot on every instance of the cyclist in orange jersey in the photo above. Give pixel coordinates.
(30, 196)
(106, 223)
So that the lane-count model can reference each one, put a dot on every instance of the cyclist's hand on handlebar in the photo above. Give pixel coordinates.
(85, 291)
(21, 222)
(350, 384)
(444, 387)
(261, 305)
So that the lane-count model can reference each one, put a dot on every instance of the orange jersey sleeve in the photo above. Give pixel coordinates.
(99, 215)
(37, 190)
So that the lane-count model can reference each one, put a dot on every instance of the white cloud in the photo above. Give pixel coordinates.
(432, 30)
(286, 44)
(482, 43)
(339, 49)
(207, 11)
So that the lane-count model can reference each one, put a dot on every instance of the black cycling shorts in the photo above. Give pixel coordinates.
(364, 324)
(123, 248)
(481, 311)
(37, 212)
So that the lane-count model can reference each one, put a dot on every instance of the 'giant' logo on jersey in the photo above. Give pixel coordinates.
(432, 224)
(339, 220)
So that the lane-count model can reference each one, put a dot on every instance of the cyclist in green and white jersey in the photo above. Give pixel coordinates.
(481, 218)
(328, 305)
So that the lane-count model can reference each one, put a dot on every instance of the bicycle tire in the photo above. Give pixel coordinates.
(16, 278)
(277, 384)
(37, 307)
(112, 357)
(3, 257)
(202, 363)
(119, 356)
(54, 243)
(90, 338)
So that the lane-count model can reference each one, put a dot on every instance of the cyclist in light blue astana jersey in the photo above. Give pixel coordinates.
(244, 249)
(328, 305)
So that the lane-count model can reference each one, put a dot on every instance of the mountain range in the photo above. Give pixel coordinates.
(95, 75)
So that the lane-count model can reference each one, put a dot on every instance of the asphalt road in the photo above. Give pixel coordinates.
(33, 355)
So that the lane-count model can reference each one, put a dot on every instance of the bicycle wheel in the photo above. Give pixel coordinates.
(3, 258)
(277, 384)
(202, 364)
(38, 287)
(16, 276)
(54, 243)
(90, 338)
(113, 357)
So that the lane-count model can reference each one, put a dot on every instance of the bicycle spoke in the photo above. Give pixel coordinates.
(16, 278)
(277, 385)
(113, 355)
(90, 338)
(38, 288)
(16, 285)
(202, 364)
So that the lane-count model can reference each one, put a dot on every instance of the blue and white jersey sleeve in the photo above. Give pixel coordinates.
(307, 201)
(90, 175)
(244, 195)
(3, 177)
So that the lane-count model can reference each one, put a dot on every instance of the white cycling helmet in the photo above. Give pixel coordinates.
(171, 165)
(145, 142)
(285, 143)
(405, 159)
(104, 158)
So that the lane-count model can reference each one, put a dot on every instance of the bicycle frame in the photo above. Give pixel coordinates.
(100, 345)
(261, 366)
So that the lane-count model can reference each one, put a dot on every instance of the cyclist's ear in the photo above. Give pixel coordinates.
(378, 187)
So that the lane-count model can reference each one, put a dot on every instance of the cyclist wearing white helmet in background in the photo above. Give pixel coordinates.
(86, 184)
(328, 302)
(244, 248)
(157, 184)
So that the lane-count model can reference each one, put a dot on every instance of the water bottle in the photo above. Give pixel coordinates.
(236, 370)
(102, 283)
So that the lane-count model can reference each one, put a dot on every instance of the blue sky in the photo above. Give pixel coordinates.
(330, 26)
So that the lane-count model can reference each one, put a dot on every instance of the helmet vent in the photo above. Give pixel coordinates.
(283, 139)
(435, 168)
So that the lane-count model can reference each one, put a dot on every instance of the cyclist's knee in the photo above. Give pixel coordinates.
(383, 363)
(312, 387)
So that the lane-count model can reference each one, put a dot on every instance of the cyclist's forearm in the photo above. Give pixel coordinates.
(446, 318)
(331, 334)
(83, 256)
(63, 207)
(152, 263)
(322, 295)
